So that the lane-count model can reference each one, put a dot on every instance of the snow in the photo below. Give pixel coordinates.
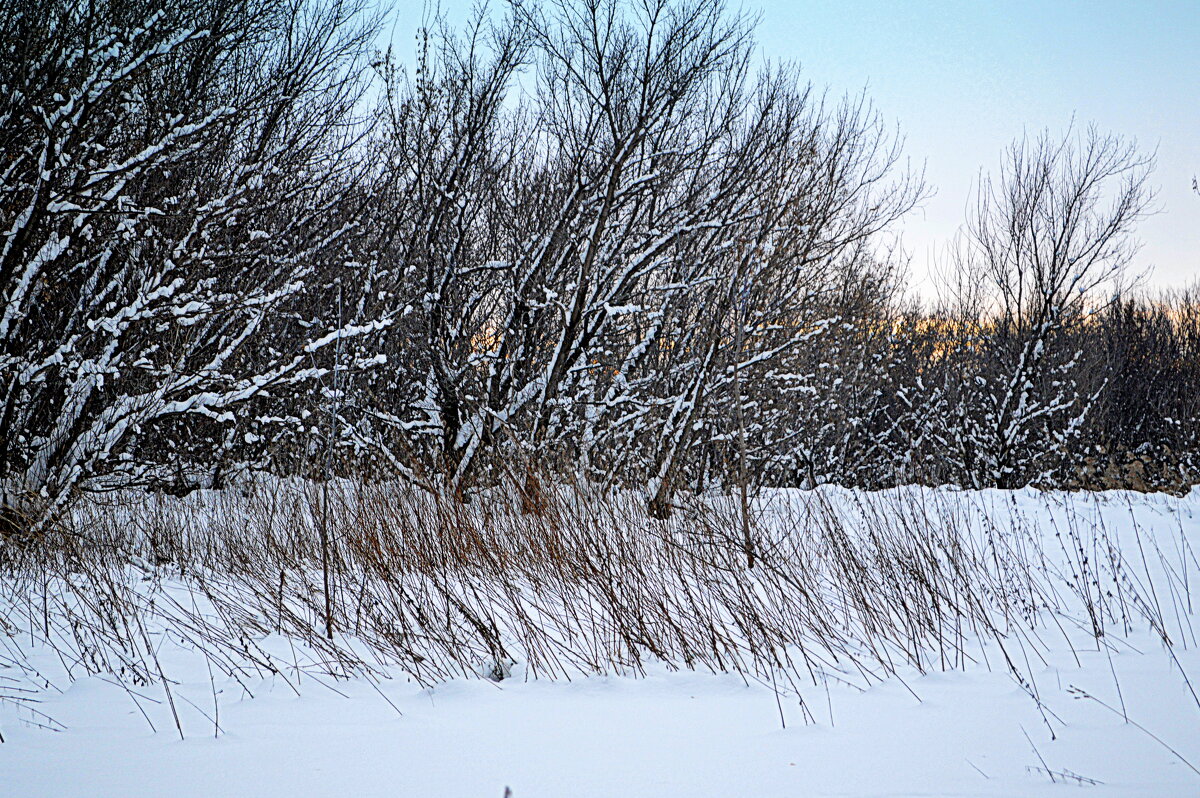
(972, 731)
(679, 734)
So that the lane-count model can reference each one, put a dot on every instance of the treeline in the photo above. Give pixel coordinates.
(1106, 399)
(588, 239)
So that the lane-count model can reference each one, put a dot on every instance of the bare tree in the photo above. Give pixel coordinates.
(168, 182)
(1046, 240)
(821, 183)
(569, 267)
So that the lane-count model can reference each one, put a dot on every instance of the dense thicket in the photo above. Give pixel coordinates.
(172, 175)
(582, 238)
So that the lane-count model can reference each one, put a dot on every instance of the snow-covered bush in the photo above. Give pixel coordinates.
(170, 179)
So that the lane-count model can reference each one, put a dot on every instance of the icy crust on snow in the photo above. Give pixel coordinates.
(1115, 719)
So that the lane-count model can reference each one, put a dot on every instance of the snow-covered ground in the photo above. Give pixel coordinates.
(1108, 719)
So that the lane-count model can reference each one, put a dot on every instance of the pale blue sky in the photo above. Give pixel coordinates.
(963, 79)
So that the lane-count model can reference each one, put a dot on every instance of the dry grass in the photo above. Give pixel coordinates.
(848, 586)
